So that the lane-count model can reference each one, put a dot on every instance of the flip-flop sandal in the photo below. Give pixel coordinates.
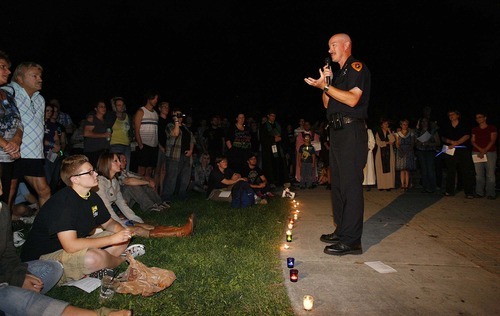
(135, 250)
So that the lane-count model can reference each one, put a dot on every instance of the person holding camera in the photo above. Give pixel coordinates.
(345, 96)
(179, 154)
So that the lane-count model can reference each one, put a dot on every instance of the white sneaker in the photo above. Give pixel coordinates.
(18, 239)
(164, 205)
(155, 208)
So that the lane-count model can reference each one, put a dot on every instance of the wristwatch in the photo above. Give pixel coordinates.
(325, 89)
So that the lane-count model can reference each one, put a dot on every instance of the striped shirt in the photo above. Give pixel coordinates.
(149, 127)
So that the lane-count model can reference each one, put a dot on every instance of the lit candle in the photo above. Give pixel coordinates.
(293, 201)
(289, 235)
(308, 302)
(295, 216)
(291, 221)
(290, 225)
(285, 246)
(290, 262)
(297, 203)
(294, 275)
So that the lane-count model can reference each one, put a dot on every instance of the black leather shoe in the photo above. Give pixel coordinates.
(340, 249)
(329, 238)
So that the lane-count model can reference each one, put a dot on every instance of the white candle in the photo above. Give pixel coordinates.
(308, 302)
(290, 225)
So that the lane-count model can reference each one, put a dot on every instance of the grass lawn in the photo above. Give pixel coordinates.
(230, 266)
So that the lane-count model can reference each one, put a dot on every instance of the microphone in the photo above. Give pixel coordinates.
(328, 78)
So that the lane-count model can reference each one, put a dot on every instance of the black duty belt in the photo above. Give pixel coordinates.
(349, 120)
(338, 120)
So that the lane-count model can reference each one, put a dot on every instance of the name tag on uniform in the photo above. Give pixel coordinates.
(274, 148)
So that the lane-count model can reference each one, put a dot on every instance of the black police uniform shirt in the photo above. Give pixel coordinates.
(353, 74)
(64, 211)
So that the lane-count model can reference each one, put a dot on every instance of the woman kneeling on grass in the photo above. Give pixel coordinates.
(108, 166)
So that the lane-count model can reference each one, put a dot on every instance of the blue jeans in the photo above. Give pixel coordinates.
(485, 175)
(178, 176)
(49, 271)
(122, 149)
(428, 169)
(18, 301)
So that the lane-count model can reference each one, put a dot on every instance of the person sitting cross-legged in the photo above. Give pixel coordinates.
(221, 179)
(256, 178)
(64, 228)
(23, 284)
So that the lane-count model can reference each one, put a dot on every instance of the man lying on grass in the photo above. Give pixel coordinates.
(64, 228)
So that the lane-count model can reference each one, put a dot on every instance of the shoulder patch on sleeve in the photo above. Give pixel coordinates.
(357, 66)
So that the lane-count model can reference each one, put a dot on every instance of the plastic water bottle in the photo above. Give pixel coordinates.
(109, 131)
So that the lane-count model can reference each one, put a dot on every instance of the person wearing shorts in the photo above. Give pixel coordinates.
(146, 135)
(25, 86)
(73, 214)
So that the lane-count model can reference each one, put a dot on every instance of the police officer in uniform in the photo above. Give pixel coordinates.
(346, 100)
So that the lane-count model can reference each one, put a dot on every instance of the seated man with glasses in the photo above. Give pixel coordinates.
(65, 226)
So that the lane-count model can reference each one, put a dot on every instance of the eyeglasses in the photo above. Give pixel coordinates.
(91, 172)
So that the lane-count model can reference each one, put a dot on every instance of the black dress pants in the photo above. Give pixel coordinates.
(348, 154)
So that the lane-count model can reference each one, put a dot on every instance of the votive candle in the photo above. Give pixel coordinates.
(289, 235)
(308, 302)
(290, 262)
(294, 275)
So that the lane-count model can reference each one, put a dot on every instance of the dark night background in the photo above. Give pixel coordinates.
(208, 57)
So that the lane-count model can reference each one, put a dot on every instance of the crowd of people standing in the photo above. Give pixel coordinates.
(41, 146)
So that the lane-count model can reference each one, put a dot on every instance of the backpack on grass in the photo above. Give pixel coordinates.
(243, 195)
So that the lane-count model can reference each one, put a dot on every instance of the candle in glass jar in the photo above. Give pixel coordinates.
(290, 262)
(308, 302)
(289, 235)
(290, 225)
(294, 275)
(295, 216)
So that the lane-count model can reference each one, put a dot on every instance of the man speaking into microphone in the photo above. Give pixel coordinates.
(346, 99)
